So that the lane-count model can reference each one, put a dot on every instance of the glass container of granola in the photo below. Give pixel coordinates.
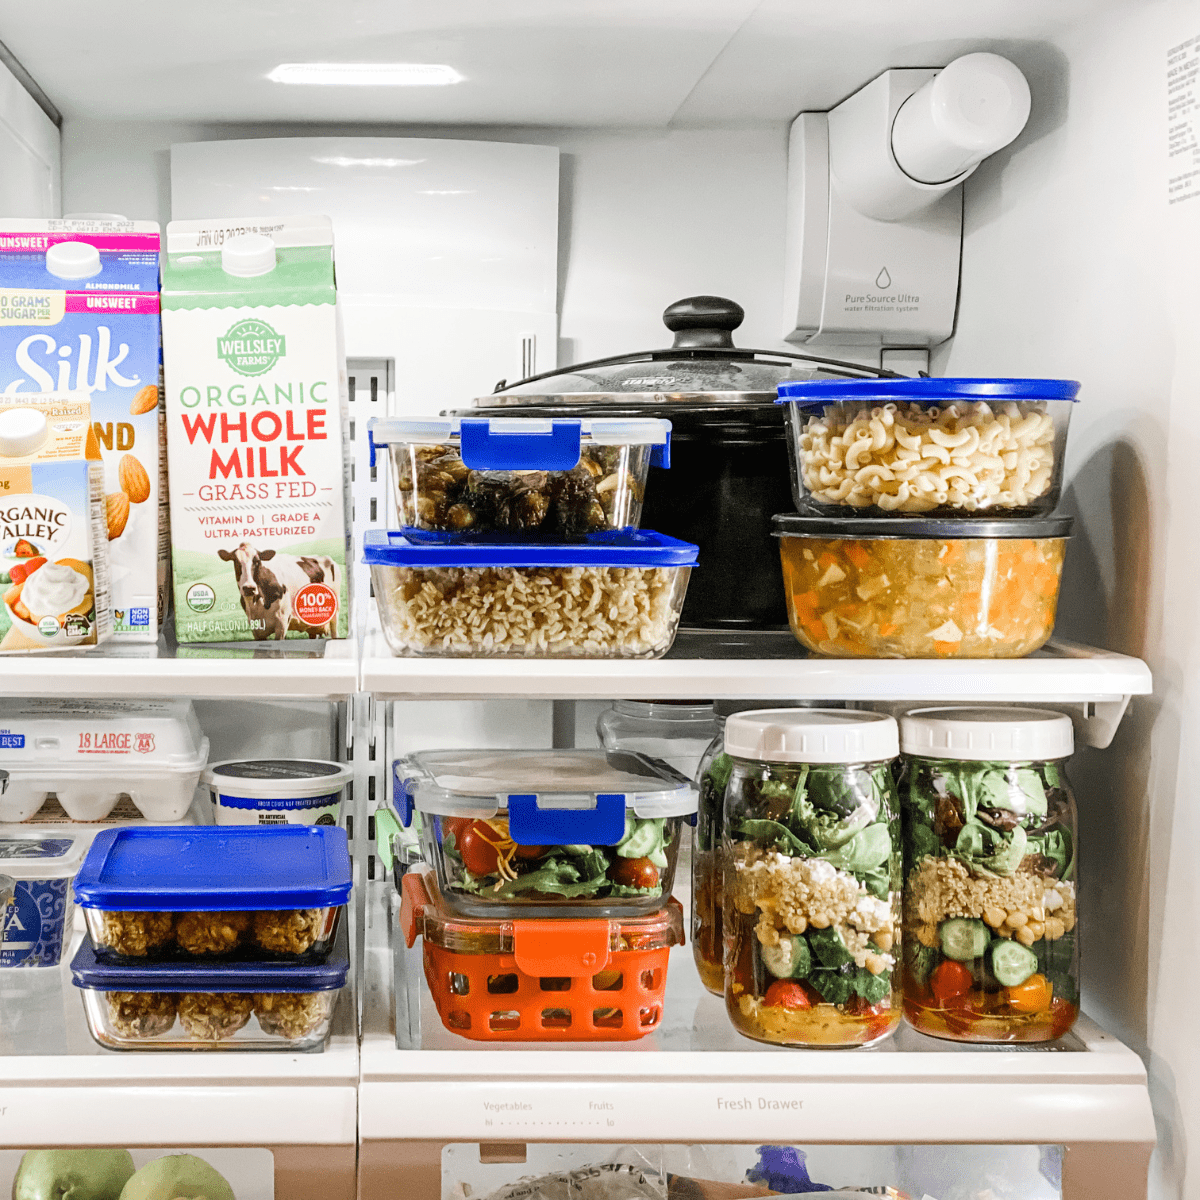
(711, 777)
(990, 951)
(810, 861)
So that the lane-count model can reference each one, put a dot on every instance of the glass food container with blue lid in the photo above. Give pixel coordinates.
(523, 477)
(220, 893)
(950, 447)
(547, 833)
(612, 595)
(227, 1006)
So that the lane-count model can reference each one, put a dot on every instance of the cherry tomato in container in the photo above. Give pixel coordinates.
(476, 847)
(455, 826)
(950, 980)
(786, 993)
(634, 872)
(531, 852)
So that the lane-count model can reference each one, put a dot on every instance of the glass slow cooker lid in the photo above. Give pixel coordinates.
(701, 366)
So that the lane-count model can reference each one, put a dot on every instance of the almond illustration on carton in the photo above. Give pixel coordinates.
(145, 401)
(116, 509)
(135, 483)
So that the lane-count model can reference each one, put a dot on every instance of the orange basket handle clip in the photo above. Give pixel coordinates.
(414, 896)
(575, 949)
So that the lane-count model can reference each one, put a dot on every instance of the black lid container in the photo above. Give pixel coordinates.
(730, 469)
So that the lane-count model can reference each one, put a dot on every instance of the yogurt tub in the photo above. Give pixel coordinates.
(38, 914)
(277, 791)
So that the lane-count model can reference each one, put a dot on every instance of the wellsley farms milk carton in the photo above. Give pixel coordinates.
(255, 380)
(79, 313)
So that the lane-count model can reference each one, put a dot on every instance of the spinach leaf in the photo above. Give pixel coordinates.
(838, 986)
(878, 881)
(864, 852)
(828, 947)
(718, 772)
(1056, 845)
(923, 842)
(984, 848)
(772, 833)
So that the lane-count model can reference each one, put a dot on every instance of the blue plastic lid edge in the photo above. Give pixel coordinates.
(930, 388)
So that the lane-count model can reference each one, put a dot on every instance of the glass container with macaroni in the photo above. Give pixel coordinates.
(810, 860)
(990, 868)
(921, 587)
(949, 447)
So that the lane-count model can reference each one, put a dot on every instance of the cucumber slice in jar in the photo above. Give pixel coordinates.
(789, 958)
(1012, 963)
(964, 939)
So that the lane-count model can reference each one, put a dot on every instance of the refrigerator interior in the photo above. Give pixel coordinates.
(1079, 249)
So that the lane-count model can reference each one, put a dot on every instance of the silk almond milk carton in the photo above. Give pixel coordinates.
(54, 575)
(255, 437)
(79, 314)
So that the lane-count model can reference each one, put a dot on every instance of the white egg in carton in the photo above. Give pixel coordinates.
(90, 753)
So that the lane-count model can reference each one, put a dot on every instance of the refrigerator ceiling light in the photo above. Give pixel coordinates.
(366, 74)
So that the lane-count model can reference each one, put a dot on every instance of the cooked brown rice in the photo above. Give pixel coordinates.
(537, 612)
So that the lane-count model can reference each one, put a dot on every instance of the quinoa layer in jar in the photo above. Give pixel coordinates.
(921, 588)
(990, 899)
(811, 875)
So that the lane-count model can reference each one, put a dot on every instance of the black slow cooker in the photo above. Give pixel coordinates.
(729, 469)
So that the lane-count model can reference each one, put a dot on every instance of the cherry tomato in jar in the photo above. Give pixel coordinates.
(1032, 996)
(456, 826)
(634, 872)
(476, 848)
(786, 993)
(949, 980)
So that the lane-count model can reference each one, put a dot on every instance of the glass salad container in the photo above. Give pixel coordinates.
(920, 587)
(707, 894)
(615, 595)
(676, 732)
(227, 1006)
(214, 892)
(546, 833)
(810, 858)
(886, 447)
(570, 980)
(520, 476)
(990, 862)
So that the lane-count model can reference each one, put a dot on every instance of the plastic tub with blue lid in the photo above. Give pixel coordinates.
(215, 892)
(612, 595)
(232, 1006)
(546, 833)
(520, 476)
(946, 447)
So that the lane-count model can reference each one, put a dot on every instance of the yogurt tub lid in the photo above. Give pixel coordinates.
(32, 856)
(814, 735)
(277, 778)
(980, 734)
(222, 868)
(947, 529)
(87, 971)
(619, 548)
(927, 391)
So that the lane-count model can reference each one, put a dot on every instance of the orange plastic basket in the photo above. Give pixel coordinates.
(541, 981)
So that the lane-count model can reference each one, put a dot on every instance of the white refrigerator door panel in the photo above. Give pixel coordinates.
(30, 183)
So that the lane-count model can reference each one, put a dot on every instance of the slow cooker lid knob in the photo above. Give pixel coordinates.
(703, 322)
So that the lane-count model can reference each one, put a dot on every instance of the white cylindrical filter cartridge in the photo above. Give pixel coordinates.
(277, 791)
(972, 108)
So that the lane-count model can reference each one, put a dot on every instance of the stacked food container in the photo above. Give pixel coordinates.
(925, 525)
(545, 905)
(214, 937)
(519, 537)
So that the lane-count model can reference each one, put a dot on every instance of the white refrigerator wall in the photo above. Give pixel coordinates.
(1076, 264)
(30, 150)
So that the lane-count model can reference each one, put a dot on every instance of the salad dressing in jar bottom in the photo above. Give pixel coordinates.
(810, 868)
(990, 875)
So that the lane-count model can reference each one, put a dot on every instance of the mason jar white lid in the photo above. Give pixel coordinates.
(987, 734)
(812, 735)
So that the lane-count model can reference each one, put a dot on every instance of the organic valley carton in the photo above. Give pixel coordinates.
(53, 545)
(254, 382)
(79, 313)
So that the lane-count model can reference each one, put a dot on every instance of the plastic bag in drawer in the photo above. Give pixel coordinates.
(90, 753)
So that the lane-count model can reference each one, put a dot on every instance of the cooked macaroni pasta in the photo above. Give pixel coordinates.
(916, 458)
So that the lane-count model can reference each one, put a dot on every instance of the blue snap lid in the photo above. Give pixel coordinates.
(925, 391)
(87, 971)
(231, 868)
(608, 548)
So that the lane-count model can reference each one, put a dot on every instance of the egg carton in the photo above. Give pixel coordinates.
(90, 754)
